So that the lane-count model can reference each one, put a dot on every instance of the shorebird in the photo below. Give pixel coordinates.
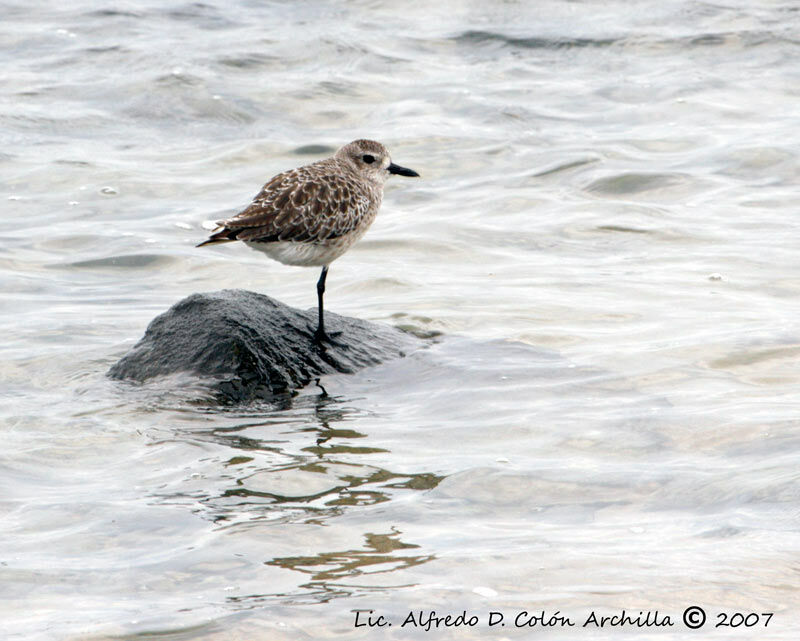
(311, 215)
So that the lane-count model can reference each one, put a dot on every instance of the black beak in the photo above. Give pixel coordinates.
(402, 171)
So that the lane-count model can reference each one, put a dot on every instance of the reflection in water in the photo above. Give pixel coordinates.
(295, 463)
(382, 553)
(379, 556)
(326, 410)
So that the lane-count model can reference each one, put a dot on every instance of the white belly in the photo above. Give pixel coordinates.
(305, 254)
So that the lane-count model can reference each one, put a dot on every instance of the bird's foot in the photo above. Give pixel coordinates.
(322, 338)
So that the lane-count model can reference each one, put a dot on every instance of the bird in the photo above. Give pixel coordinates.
(311, 215)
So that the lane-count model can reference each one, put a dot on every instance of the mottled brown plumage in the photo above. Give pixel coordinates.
(313, 214)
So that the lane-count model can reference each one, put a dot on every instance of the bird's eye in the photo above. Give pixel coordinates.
(368, 159)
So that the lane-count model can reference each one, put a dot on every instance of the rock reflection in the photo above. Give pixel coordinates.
(297, 464)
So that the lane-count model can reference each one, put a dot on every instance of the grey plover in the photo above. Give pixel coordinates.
(311, 215)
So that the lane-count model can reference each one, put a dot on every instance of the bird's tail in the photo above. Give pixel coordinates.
(224, 235)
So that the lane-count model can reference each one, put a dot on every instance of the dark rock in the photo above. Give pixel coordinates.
(251, 346)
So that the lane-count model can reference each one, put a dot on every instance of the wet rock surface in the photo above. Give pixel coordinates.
(251, 346)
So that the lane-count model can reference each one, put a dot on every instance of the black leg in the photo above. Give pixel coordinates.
(320, 334)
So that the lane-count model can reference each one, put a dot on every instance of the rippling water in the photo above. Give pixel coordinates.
(604, 239)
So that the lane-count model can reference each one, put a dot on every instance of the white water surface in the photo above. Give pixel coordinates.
(604, 238)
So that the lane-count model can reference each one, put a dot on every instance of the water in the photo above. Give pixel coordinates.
(604, 239)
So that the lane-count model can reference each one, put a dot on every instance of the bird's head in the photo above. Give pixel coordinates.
(371, 160)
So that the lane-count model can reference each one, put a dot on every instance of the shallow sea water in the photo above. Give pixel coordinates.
(604, 239)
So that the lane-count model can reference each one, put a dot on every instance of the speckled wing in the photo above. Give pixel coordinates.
(302, 205)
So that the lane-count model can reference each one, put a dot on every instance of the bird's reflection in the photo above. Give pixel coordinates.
(304, 461)
(381, 553)
(328, 571)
